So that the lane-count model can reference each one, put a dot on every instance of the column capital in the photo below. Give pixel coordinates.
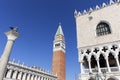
(81, 61)
(106, 57)
(116, 57)
(97, 59)
(12, 34)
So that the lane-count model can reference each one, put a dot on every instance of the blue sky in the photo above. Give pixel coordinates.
(38, 21)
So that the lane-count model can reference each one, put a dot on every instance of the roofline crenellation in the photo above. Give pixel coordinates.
(98, 7)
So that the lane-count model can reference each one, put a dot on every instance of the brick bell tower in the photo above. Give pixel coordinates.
(58, 62)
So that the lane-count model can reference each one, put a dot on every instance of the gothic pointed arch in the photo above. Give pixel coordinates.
(119, 57)
(85, 55)
(103, 28)
(94, 54)
(93, 61)
(102, 61)
(112, 61)
(85, 62)
(91, 78)
(112, 78)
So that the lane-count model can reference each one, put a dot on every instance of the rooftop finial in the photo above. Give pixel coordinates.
(97, 7)
(79, 13)
(22, 63)
(18, 61)
(84, 12)
(111, 2)
(59, 23)
(104, 5)
(13, 60)
(118, 0)
(59, 31)
(90, 10)
(75, 13)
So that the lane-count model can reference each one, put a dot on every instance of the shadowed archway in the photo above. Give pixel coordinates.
(102, 61)
(85, 63)
(93, 62)
(112, 61)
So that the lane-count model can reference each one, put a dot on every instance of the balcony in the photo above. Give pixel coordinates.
(94, 70)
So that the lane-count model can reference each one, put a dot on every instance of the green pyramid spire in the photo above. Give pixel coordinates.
(59, 31)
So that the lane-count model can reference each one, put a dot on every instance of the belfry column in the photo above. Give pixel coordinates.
(11, 36)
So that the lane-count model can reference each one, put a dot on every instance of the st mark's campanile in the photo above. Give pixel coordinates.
(59, 60)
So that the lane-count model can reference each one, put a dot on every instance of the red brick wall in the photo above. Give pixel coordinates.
(59, 65)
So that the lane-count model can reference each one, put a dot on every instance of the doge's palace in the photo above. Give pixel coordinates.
(98, 41)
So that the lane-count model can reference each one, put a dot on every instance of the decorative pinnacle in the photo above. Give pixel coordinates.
(77, 13)
(111, 2)
(59, 31)
(59, 23)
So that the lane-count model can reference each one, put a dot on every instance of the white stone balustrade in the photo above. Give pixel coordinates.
(21, 72)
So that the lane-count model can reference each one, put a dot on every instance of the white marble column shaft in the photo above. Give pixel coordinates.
(108, 66)
(118, 65)
(81, 66)
(24, 76)
(14, 76)
(28, 77)
(20, 76)
(5, 57)
(89, 63)
(99, 70)
(9, 73)
(11, 36)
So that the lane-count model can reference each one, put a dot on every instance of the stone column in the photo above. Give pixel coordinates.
(108, 66)
(38, 78)
(99, 70)
(42, 78)
(28, 77)
(116, 58)
(24, 76)
(32, 77)
(11, 36)
(20, 76)
(9, 73)
(90, 66)
(14, 76)
(81, 67)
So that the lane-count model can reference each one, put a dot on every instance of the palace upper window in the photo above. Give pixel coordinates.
(103, 29)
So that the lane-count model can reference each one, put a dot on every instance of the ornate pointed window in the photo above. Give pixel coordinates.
(103, 29)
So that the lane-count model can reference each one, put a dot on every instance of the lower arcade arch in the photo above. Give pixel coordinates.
(112, 78)
(93, 62)
(91, 78)
(85, 63)
(112, 61)
(119, 57)
(102, 61)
